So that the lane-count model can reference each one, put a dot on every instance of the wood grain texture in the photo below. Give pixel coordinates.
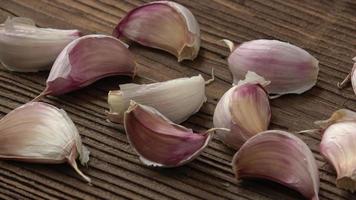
(325, 28)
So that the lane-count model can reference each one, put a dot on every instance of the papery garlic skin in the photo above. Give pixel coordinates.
(40, 133)
(158, 141)
(86, 60)
(176, 99)
(289, 68)
(164, 25)
(245, 110)
(27, 48)
(281, 157)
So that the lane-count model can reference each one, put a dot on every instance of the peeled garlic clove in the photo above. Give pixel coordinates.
(338, 146)
(164, 25)
(27, 48)
(176, 99)
(245, 110)
(281, 157)
(158, 141)
(289, 68)
(86, 60)
(40, 133)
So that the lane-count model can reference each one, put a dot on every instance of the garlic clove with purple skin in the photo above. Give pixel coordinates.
(164, 25)
(244, 109)
(281, 157)
(289, 68)
(158, 141)
(86, 60)
(41, 133)
(27, 48)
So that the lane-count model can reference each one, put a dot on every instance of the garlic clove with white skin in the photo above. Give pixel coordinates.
(41, 133)
(158, 141)
(289, 68)
(244, 109)
(176, 99)
(164, 25)
(86, 60)
(27, 48)
(281, 157)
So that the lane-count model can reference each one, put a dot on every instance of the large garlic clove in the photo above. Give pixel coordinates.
(245, 110)
(27, 48)
(176, 99)
(281, 157)
(289, 68)
(40, 133)
(158, 141)
(164, 25)
(87, 59)
(338, 146)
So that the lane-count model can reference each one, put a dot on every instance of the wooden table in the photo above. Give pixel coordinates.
(325, 28)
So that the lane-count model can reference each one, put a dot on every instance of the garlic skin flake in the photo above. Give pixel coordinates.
(158, 141)
(281, 157)
(27, 48)
(289, 68)
(338, 146)
(86, 60)
(350, 77)
(164, 25)
(176, 99)
(244, 109)
(41, 133)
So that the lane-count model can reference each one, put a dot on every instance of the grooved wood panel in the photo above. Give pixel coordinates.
(325, 28)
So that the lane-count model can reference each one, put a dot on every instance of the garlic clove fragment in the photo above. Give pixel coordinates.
(86, 60)
(158, 141)
(164, 25)
(244, 109)
(176, 99)
(281, 157)
(27, 48)
(289, 68)
(41, 133)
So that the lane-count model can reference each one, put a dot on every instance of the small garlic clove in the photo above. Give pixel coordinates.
(40, 133)
(27, 48)
(289, 68)
(245, 110)
(158, 141)
(164, 25)
(281, 157)
(176, 99)
(86, 60)
(338, 146)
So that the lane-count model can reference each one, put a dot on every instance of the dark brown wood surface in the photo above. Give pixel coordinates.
(325, 28)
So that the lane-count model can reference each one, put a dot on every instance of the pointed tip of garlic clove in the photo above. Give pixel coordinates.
(338, 116)
(229, 44)
(151, 25)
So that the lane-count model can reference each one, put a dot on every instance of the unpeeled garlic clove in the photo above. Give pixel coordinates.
(40, 133)
(289, 68)
(244, 109)
(164, 25)
(176, 99)
(281, 157)
(27, 48)
(158, 141)
(86, 60)
(338, 146)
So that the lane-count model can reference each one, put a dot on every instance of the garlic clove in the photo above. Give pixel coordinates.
(289, 68)
(176, 99)
(86, 60)
(158, 141)
(338, 146)
(27, 48)
(164, 25)
(281, 157)
(41, 133)
(244, 109)
(350, 77)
